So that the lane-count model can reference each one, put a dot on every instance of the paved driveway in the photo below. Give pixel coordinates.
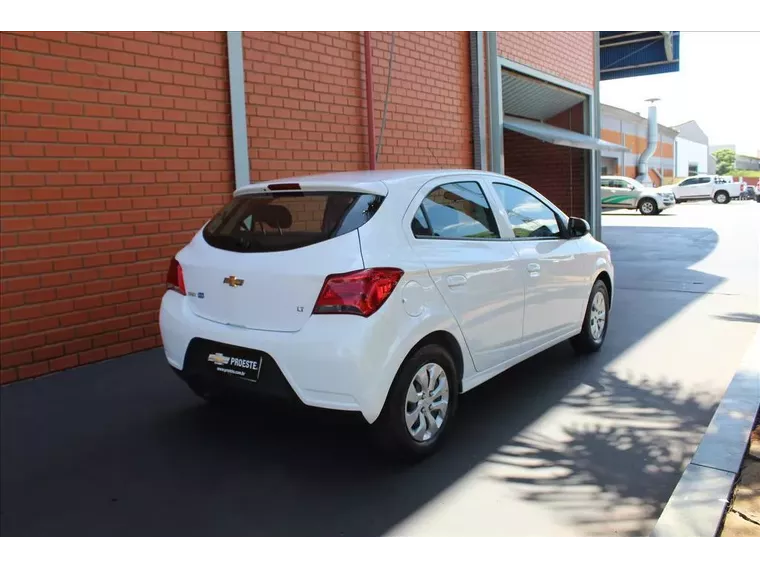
(559, 445)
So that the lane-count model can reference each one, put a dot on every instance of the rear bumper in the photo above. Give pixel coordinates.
(269, 381)
(333, 362)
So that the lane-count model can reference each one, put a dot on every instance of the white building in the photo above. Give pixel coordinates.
(692, 153)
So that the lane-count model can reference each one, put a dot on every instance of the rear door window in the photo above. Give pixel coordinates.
(455, 211)
(266, 222)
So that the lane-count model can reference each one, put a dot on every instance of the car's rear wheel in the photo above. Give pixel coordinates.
(648, 206)
(421, 403)
(722, 197)
(594, 329)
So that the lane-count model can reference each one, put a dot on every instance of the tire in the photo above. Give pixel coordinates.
(390, 429)
(589, 340)
(648, 206)
(722, 197)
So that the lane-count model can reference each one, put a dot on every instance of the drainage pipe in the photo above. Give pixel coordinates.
(370, 98)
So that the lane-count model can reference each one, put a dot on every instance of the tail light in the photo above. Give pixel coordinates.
(359, 293)
(175, 280)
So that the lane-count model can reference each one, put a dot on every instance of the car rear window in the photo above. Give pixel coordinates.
(265, 222)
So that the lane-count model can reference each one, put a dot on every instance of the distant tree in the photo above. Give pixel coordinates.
(724, 161)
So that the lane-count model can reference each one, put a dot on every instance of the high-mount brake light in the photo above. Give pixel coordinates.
(284, 187)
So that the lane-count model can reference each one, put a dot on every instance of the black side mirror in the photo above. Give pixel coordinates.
(578, 227)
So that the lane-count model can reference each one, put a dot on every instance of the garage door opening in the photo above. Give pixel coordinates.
(546, 140)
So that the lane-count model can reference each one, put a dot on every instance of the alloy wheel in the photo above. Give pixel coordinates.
(427, 402)
(598, 316)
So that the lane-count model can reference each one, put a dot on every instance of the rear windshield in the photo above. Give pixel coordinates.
(288, 220)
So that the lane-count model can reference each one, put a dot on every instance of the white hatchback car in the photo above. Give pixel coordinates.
(384, 292)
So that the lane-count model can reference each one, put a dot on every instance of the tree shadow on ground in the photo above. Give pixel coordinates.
(609, 471)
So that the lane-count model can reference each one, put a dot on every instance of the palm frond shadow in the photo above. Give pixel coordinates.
(598, 469)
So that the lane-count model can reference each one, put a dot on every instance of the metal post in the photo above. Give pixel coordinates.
(237, 109)
(595, 192)
(495, 110)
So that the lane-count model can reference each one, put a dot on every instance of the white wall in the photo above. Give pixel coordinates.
(688, 151)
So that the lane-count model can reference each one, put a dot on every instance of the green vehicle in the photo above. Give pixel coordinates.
(619, 192)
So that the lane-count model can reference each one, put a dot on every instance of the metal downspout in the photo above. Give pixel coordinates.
(478, 87)
(646, 155)
(237, 109)
(370, 98)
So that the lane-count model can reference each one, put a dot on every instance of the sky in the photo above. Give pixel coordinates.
(718, 86)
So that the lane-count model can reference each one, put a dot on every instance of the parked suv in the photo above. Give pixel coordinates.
(627, 193)
(388, 293)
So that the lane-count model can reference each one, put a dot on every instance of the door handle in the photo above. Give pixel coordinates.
(456, 280)
(534, 267)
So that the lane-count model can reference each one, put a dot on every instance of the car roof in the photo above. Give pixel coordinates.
(618, 177)
(375, 181)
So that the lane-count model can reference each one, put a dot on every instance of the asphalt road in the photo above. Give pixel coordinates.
(559, 445)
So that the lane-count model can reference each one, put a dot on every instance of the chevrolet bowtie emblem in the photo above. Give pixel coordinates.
(233, 282)
(218, 359)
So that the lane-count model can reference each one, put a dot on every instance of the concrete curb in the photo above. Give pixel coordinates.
(698, 503)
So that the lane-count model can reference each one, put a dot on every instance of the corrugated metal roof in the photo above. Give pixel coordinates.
(535, 99)
(633, 54)
(559, 136)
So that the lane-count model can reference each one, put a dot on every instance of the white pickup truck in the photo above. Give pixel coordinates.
(718, 188)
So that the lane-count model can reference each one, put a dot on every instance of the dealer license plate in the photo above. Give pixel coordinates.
(233, 365)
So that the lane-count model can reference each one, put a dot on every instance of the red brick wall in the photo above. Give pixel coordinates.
(568, 55)
(114, 148)
(306, 107)
(555, 171)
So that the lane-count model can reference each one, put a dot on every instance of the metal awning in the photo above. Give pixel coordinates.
(532, 98)
(559, 136)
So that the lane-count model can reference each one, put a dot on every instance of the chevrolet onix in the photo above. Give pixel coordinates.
(387, 293)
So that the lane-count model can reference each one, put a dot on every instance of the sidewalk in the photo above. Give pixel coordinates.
(719, 491)
(743, 511)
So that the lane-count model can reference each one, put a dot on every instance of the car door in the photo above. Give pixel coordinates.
(619, 194)
(701, 188)
(685, 189)
(608, 192)
(551, 264)
(455, 233)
